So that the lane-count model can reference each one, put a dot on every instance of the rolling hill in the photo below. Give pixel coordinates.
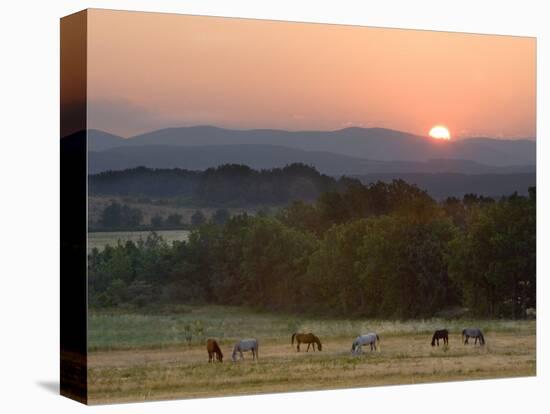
(346, 151)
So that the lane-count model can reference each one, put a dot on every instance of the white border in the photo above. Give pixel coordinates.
(29, 159)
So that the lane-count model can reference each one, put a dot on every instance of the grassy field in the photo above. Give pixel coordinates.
(101, 239)
(161, 355)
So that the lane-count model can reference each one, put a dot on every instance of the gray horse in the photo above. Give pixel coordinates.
(369, 339)
(473, 333)
(245, 345)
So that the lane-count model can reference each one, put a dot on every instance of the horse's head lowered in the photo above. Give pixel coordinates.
(318, 342)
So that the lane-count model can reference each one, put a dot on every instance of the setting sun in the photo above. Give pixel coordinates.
(440, 132)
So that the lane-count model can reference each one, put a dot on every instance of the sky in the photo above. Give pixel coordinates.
(148, 71)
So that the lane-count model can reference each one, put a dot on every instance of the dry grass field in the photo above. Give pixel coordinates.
(138, 368)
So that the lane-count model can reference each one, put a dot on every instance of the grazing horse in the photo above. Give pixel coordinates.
(245, 345)
(306, 338)
(473, 333)
(214, 351)
(369, 339)
(440, 334)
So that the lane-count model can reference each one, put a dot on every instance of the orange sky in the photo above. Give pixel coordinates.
(151, 70)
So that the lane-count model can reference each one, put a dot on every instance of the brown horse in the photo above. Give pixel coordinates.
(306, 338)
(214, 351)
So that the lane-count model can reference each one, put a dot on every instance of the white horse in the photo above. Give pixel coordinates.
(245, 345)
(371, 339)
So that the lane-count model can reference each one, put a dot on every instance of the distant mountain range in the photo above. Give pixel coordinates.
(351, 151)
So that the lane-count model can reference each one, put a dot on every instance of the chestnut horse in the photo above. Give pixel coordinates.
(214, 351)
(306, 338)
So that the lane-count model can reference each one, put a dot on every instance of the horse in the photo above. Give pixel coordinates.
(473, 333)
(214, 351)
(369, 339)
(245, 345)
(306, 338)
(440, 334)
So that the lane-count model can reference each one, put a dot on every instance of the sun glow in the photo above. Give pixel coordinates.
(440, 132)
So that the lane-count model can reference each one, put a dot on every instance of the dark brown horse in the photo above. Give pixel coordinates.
(214, 351)
(440, 334)
(306, 338)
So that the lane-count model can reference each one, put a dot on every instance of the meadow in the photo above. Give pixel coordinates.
(160, 354)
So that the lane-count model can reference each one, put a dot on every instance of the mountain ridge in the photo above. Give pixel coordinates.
(378, 144)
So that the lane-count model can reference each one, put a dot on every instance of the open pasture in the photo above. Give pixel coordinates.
(164, 360)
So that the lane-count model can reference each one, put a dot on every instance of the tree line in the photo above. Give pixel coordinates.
(117, 216)
(386, 250)
(225, 185)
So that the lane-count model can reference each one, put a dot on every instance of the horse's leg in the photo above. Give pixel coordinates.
(298, 347)
(307, 350)
(241, 352)
(209, 356)
(313, 346)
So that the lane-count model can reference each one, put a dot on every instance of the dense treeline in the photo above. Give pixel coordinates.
(383, 250)
(229, 184)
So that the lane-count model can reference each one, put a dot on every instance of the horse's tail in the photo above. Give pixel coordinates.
(482, 338)
(463, 334)
(292, 339)
(378, 340)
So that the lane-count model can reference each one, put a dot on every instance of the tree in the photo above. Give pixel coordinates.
(112, 215)
(274, 260)
(402, 265)
(333, 284)
(174, 220)
(157, 221)
(198, 218)
(302, 216)
(117, 215)
(494, 260)
(221, 216)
